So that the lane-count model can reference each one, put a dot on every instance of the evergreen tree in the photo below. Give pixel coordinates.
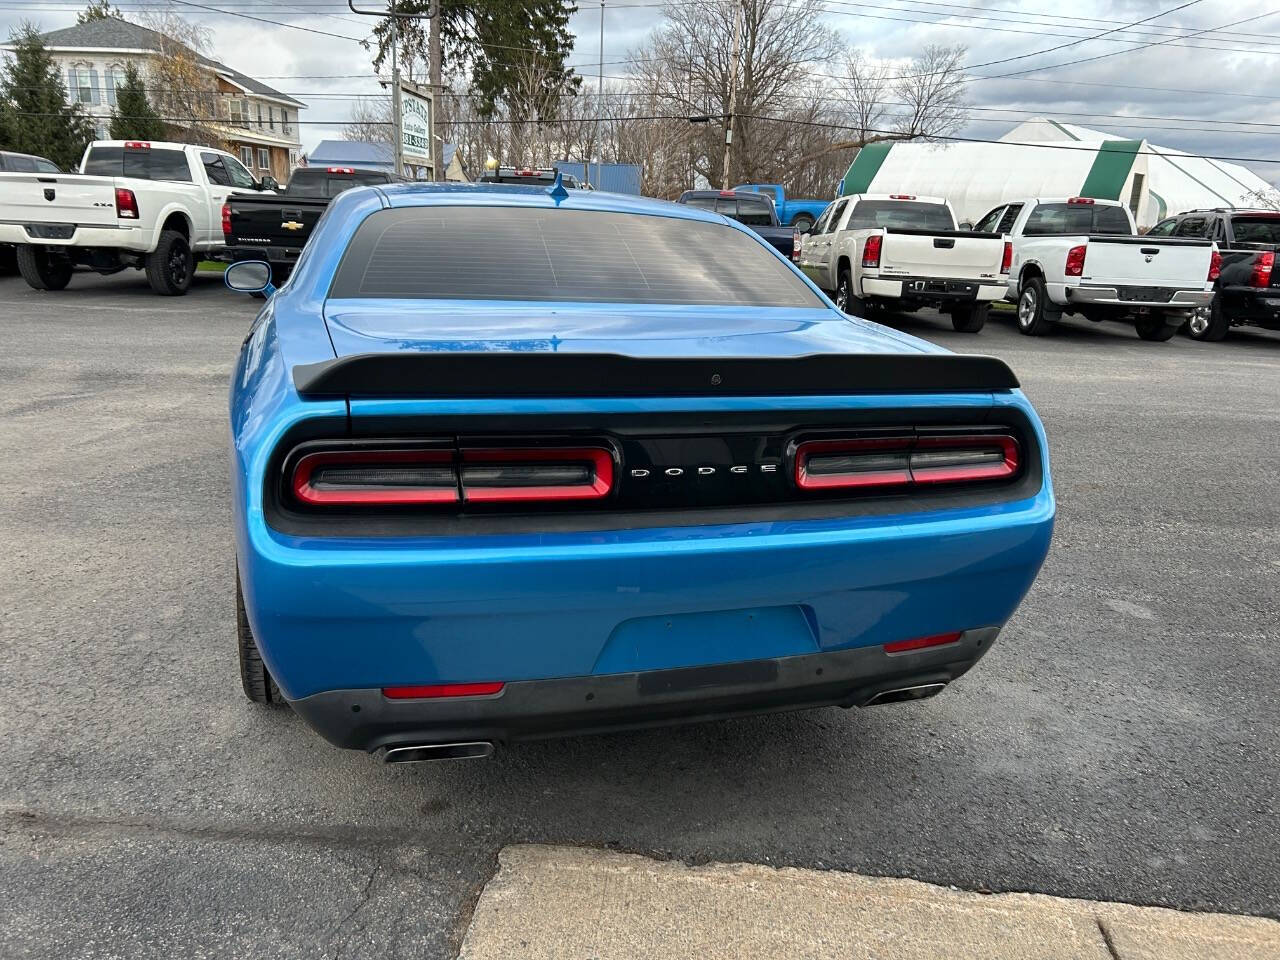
(98, 10)
(134, 118)
(40, 121)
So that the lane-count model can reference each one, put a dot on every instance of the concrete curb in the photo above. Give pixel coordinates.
(564, 902)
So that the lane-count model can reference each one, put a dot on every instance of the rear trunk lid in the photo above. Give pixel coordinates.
(1144, 262)
(958, 255)
(49, 198)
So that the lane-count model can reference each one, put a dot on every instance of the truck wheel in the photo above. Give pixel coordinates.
(1157, 327)
(802, 222)
(1209, 323)
(171, 265)
(1035, 315)
(970, 317)
(42, 269)
(254, 676)
(846, 301)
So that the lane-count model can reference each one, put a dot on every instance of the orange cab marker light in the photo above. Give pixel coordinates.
(922, 643)
(436, 691)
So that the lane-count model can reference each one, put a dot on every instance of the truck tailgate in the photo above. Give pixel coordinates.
(274, 221)
(1144, 262)
(959, 254)
(49, 198)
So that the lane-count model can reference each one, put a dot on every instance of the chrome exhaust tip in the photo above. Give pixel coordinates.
(421, 752)
(902, 694)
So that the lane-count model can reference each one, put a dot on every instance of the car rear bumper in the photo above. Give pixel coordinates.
(1162, 298)
(934, 289)
(119, 238)
(1259, 305)
(273, 255)
(364, 719)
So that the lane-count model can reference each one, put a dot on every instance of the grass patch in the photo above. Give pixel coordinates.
(212, 266)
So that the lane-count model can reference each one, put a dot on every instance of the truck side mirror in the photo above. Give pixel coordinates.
(966, 225)
(268, 183)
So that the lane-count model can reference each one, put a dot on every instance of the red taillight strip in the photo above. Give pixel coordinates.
(601, 461)
(870, 478)
(436, 691)
(923, 643)
(386, 496)
(910, 473)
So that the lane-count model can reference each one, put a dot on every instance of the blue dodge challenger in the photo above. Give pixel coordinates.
(514, 462)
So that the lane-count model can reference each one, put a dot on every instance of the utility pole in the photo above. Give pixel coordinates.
(396, 128)
(733, 91)
(433, 52)
(595, 133)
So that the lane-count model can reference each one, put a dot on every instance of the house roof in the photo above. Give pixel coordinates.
(112, 33)
(362, 153)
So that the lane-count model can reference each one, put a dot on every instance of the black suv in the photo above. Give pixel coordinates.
(1248, 289)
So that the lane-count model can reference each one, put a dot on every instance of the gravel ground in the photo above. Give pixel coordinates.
(1118, 743)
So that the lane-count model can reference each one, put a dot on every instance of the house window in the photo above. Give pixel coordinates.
(246, 156)
(82, 83)
(259, 116)
(239, 112)
(264, 159)
(102, 130)
(271, 117)
(293, 159)
(115, 80)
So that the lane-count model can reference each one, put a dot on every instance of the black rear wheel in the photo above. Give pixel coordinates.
(970, 317)
(1157, 327)
(171, 265)
(254, 675)
(43, 269)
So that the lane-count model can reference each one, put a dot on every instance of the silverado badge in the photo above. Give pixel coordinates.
(291, 225)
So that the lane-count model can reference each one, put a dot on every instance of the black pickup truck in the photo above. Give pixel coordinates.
(1247, 291)
(275, 227)
(754, 210)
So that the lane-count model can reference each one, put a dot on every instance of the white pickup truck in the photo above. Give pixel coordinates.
(901, 253)
(151, 206)
(1083, 256)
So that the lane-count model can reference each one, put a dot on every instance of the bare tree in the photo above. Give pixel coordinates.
(930, 93)
(181, 83)
(370, 121)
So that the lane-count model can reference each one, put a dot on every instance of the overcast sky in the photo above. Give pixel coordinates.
(1228, 76)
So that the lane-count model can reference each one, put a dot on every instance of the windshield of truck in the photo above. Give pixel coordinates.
(900, 214)
(1256, 229)
(585, 256)
(1070, 219)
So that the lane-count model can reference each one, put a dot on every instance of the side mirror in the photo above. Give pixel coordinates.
(268, 183)
(966, 225)
(249, 276)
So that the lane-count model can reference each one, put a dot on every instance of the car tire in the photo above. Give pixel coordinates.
(254, 675)
(171, 265)
(1035, 316)
(970, 317)
(1156, 327)
(41, 269)
(846, 301)
(1209, 323)
(8, 259)
(803, 222)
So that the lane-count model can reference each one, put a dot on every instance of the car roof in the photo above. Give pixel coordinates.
(519, 195)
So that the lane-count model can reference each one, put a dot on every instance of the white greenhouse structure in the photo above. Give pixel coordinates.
(1045, 158)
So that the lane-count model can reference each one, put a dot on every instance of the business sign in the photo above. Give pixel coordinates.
(415, 127)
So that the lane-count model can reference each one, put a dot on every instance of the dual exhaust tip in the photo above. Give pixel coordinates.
(921, 691)
(420, 752)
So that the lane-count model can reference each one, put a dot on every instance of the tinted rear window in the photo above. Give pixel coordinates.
(904, 214)
(755, 211)
(322, 184)
(1065, 219)
(1256, 229)
(516, 253)
(156, 164)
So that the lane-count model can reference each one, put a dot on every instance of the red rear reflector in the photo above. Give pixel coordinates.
(226, 219)
(871, 252)
(375, 478)
(1215, 266)
(1075, 261)
(1006, 262)
(902, 461)
(126, 204)
(439, 690)
(923, 643)
(1081, 200)
(901, 196)
(1262, 268)
(137, 144)
(523, 474)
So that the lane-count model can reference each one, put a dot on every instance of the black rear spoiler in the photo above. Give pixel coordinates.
(611, 375)
(1144, 239)
(923, 232)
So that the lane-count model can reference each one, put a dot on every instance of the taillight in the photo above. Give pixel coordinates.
(1215, 266)
(1006, 262)
(375, 478)
(435, 691)
(863, 462)
(796, 241)
(536, 473)
(1084, 200)
(1262, 266)
(923, 643)
(226, 220)
(901, 196)
(1075, 261)
(871, 252)
(126, 204)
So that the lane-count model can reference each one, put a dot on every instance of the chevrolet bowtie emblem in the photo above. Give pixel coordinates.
(291, 225)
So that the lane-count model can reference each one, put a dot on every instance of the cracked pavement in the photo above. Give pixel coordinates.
(1118, 743)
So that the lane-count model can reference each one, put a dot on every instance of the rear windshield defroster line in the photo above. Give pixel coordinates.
(556, 255)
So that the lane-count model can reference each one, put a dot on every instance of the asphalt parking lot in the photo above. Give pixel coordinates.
(1119, 742)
